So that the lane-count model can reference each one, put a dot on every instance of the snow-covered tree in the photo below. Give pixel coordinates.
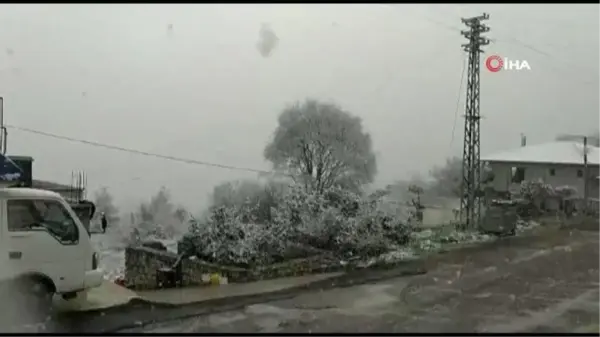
(159, 217)
(181, 214)
(447, 178)
(235, 193)
(262, 195)
(321, 146)
(105, 204)
(336, 220)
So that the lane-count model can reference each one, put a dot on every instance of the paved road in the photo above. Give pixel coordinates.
(546, 286)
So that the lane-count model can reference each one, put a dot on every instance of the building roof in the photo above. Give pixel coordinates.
(558, 152)
(48, 185)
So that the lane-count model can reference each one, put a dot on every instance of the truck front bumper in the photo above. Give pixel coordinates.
(93, 278)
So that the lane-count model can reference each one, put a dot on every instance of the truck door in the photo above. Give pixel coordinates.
(44, 238)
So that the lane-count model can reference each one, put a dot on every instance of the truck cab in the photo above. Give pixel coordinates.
(44, 247)
(46, 238)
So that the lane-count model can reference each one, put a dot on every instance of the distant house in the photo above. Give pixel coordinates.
(558, 163)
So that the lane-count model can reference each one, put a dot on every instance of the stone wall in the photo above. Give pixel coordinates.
(141, 264)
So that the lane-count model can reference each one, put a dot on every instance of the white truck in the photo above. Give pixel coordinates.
(44, 249)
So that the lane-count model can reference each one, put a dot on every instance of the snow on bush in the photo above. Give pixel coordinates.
(535, 190)
(224, 238)
(538, 191)
(432, 240)
(523, 225)
(534, 196)
(391, 257)
(336, 220)
(339, 221)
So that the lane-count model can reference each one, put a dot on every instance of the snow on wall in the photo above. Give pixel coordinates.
(111, 249)
(142, 263)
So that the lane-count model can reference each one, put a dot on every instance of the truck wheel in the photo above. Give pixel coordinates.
(38, 297)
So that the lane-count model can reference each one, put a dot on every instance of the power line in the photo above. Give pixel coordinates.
(149, 154)
(139, 152)
(460, 88)
(526, 45)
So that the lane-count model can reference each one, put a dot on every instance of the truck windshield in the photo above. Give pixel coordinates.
(50, 215)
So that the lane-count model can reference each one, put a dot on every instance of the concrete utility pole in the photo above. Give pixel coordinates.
(2, 128)
(470, 204)
(586, 175)
(586, 169)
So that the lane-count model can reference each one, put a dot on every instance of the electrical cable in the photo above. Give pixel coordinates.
(460, 88)
(139, 152)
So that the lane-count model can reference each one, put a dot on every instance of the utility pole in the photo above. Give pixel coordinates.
(2, 128)
(586, 176)
(470, 204)
(586, 169)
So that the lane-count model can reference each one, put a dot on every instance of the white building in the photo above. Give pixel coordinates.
(558, 163)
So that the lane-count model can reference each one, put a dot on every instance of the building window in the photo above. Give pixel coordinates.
(552, 172)
(579, 173)
(518, 174)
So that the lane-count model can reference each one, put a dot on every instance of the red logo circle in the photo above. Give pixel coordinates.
(494, 63)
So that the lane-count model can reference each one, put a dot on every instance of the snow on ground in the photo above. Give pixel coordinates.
(111, 248)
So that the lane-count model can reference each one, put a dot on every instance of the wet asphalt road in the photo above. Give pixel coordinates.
(542, 284)
(550, 285)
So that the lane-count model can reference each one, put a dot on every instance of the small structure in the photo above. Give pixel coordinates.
(74, 194)
(558, 163)
(69, 192)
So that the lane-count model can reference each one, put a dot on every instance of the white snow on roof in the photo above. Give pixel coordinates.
(560, 152)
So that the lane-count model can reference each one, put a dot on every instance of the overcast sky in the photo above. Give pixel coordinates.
(188, 81)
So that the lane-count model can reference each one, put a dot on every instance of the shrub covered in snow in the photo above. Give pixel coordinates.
(224, 238)
(337, 221)
(535, 190)
(536, 194)
(432, 240)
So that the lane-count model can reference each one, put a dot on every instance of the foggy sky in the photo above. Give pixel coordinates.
(188, 81)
